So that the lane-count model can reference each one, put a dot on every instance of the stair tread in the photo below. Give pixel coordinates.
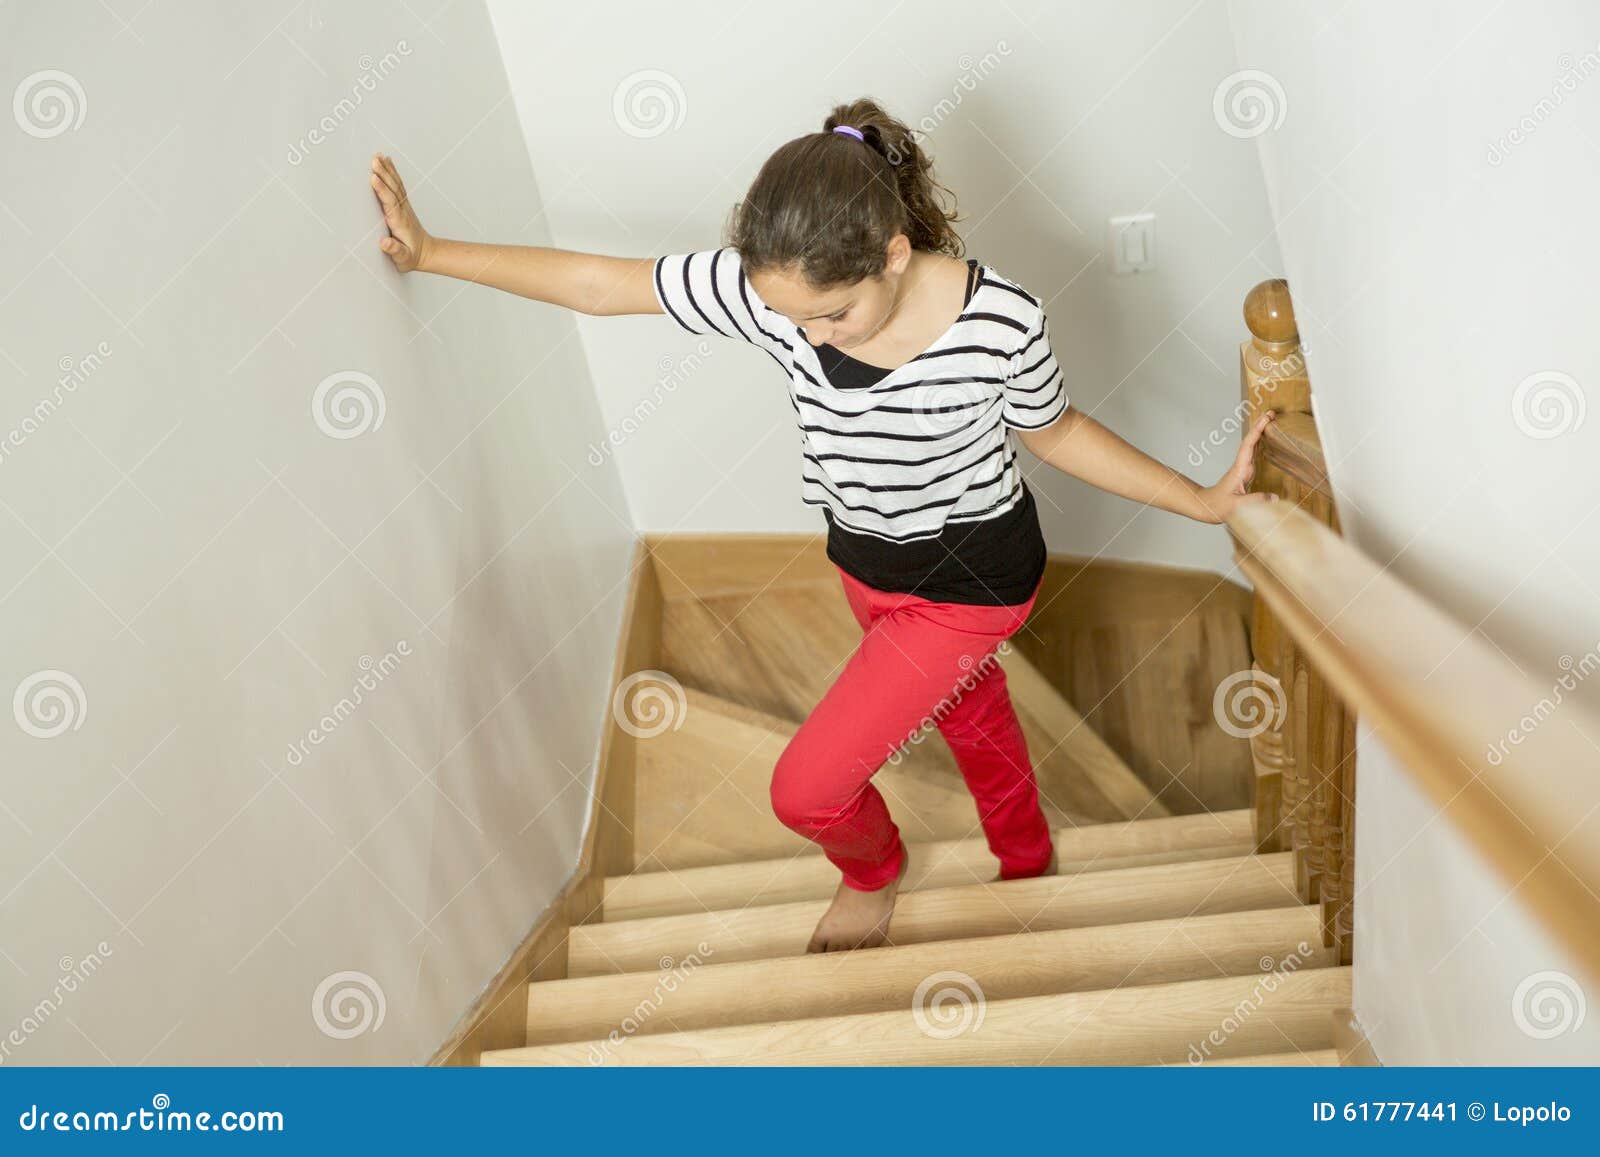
(1140, 1024)
(1311, 1058)
(745, 647)
(707, 993)
(1067, 752)
(1151, 940)
(702, 790)
(1117, 895)
(942, 863)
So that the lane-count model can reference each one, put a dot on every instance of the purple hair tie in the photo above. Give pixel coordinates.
(853, 132)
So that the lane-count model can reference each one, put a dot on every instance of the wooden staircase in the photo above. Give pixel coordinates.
(1164, 939)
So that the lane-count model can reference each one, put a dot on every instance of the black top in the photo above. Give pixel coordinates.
(988, 562)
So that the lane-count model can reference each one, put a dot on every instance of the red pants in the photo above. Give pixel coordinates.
(920, 664)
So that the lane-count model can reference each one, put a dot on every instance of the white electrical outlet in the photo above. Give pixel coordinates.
(1133, 243)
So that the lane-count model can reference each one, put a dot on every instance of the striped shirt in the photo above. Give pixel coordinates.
(924, 446)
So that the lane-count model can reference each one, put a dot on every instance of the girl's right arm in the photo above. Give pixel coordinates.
(587, 282)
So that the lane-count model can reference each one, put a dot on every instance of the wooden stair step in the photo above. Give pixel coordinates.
(1116, 896)
(1134, 1025)
(939, 864)
(1067, 752)
(710, 995)
(702, 791)
(1315, 1058)
(778, 645)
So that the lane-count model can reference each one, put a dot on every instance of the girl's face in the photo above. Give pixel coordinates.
(842, 315)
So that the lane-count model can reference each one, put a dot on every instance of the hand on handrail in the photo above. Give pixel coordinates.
(1232, 490)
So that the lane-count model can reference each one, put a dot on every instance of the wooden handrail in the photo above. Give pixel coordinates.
(1292, 445)
(1444, 700)
(1334, 634)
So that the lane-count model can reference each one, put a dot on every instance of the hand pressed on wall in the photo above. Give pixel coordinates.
(408, 242)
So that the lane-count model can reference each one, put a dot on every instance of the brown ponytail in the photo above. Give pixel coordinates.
(826, 205)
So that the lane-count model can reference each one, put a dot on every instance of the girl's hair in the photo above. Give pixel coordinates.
(826, 205)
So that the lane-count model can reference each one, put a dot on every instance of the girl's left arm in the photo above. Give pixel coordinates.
(1076, 444)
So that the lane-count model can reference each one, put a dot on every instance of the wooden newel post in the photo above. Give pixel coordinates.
(1304, 757)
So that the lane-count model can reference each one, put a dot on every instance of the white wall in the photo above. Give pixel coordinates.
(211, 568)
(1432, 181)
(1054, 117)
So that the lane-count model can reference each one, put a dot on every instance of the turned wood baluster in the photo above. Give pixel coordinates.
(1269, 362)
(1343, 927)
(1298, 819)
(1304, 763)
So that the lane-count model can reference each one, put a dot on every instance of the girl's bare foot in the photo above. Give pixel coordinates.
(857, 919)
(1049, 869)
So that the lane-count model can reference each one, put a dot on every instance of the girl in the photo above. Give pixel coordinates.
(909, 369)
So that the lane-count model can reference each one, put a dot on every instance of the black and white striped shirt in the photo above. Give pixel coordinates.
(924, 446)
